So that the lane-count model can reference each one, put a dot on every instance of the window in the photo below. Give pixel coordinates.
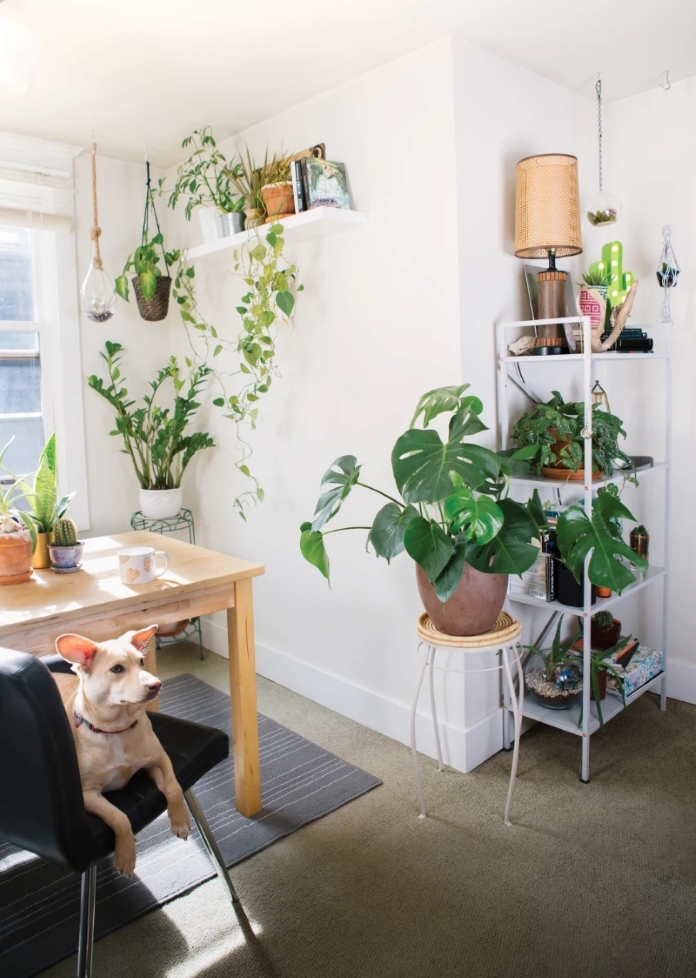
(40, 372)
(22, 411)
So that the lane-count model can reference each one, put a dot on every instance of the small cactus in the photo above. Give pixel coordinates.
(64, 533)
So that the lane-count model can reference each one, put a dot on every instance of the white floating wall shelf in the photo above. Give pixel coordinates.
(317, 223)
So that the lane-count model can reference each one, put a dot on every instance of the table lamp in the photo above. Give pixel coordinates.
(547, 224)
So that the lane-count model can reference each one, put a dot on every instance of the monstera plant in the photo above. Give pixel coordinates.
(453, 516)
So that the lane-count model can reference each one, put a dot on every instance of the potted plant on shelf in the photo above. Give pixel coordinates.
(553, 677)
(45, 506)
(249, 180)
(66, 549)
(156, 438)
(604, 630)
(276, 191)
(553, 444)
(208, 180)
(17, 529)
(453, 517)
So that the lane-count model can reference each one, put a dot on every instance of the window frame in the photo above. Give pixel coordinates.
(56, 320)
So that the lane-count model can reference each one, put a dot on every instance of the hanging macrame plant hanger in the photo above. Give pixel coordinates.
(155, 309)
(97, 292)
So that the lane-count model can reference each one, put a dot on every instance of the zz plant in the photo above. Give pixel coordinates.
(155, 438)
(453, 507)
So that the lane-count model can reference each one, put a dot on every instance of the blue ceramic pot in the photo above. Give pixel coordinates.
(66, 560)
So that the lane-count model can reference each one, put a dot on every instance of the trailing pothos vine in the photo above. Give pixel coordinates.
(270, 282)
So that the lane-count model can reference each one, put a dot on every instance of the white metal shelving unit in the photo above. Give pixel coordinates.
(569, 720)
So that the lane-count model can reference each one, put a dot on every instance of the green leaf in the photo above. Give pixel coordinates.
(121, 287)
(512, 550)
(578, 536)
(148, 284)
(219, 401)
(342, 474)
(388, 529)
(217, 350)
(422, 464)
(438, 401)
(427, 543)
(536, 511)
(447, 581)
(478, 516)
(313, 549)
(286, 302)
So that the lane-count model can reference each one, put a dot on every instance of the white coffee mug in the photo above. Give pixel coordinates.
(137, 565)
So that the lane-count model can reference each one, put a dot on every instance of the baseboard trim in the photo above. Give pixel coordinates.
(462, 748)
(681, 681)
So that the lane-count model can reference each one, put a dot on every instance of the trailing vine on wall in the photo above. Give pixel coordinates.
(271, 282)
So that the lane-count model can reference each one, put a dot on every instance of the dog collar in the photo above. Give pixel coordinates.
(80, 720)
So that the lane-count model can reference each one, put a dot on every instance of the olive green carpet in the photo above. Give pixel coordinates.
(592, 880)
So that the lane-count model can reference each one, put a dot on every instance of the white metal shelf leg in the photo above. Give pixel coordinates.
(517, 704)
(414, 752)
(585, 776)
(433, 710)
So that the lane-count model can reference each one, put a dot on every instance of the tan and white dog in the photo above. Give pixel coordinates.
(106, 705)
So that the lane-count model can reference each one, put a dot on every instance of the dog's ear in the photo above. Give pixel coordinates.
(76, 649)
(140, 639)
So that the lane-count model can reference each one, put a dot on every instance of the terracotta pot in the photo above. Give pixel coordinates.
(41, 559)
(474, 606)
(604, 636)
(15, 558)
(560, 471)
(279, 200)
(602, 683)
(173, 628)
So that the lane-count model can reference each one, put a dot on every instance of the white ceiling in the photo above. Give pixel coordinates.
(137, 71)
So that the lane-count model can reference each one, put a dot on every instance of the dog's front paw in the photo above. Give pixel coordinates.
(124, 857)
(180, 824)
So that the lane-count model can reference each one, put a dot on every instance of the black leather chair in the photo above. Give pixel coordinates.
(41, 805)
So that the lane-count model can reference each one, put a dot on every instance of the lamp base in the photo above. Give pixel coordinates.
(551, 286)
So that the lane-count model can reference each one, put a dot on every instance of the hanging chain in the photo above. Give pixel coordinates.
(96, 230)
(598, 89)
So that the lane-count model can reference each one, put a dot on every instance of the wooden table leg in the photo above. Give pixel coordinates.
(245, 729)
(151, 666)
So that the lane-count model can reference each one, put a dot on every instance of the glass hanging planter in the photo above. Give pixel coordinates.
(97, 294)
(603, 208)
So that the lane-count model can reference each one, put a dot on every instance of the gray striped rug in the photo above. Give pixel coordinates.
(39, 902)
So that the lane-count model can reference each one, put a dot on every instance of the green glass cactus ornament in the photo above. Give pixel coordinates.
(65, 533)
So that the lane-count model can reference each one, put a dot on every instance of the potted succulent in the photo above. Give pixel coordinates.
(604, 630)
(601, 667)
(66, 549)
(553, 677)
(156, 438)
(208, 180)
(44, 504)
(17, 529)
(452, 517)
(553, 444)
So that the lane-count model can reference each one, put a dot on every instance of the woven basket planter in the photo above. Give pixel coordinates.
(155, 309)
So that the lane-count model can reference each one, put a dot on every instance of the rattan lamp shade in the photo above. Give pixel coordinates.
(547, 207)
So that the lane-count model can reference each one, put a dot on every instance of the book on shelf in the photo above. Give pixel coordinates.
(325, 184)
(297, 185)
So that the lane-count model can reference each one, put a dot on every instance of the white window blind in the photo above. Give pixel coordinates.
(36, 184)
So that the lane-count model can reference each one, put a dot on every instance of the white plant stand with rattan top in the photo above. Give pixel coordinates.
(502, 640)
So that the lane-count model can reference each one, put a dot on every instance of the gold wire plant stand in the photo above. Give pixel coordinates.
(182, 522)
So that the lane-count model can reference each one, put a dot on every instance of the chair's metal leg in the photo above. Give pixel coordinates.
(88, 899)
(210, 843)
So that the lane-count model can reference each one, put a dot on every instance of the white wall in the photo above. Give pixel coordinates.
(377, 325)
(111, 481)
(649, 151)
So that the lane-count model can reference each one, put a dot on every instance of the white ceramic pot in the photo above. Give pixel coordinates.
(209, 220)
(160, 504)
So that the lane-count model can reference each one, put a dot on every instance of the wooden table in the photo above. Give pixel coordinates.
(95, 603)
